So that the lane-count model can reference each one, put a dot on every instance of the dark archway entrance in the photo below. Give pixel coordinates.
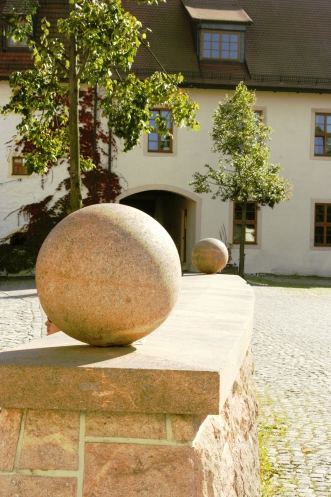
(175, 212)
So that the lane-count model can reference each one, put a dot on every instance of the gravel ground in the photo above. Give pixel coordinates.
(292, 350)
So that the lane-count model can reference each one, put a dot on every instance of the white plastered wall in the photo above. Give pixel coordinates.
(285, 243)
(16, 191)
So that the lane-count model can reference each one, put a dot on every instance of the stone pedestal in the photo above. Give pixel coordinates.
(170, 416)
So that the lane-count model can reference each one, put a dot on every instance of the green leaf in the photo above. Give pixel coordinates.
(96, 44)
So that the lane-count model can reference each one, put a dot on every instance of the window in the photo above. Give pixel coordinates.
(251, 223)
(322, 225)
(322, 143)
(9, 43)
(259, 115)
(220, 45)
(156, 141)
(18, 166)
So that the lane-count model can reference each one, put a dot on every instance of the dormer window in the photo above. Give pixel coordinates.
(220, 45)
(220, 32)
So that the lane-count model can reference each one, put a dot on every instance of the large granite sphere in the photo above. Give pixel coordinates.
(210, 255)
(108, 274)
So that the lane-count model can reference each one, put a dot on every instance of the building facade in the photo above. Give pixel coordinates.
(280, 52)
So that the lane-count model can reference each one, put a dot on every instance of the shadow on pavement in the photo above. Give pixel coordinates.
(19, 283)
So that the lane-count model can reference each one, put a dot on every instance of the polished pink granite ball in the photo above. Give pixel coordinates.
(108, 274)
(210, 255)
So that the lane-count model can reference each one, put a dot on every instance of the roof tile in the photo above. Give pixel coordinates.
(288, 43)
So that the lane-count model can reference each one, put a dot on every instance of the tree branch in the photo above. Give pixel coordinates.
(118, 74)
(154, 56)
(50, 50)
(83, 63)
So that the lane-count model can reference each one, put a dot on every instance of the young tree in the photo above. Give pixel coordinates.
(244, 173)
(95, 44)
(19, 250)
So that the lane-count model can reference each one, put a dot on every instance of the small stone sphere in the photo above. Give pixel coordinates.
(210, 255)
(108, 274)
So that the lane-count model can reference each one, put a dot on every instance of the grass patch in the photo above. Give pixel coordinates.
(270, 430)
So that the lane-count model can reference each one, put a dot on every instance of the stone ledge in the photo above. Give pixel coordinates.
(187, 366)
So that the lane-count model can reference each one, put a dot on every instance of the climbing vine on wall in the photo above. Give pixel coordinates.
(19, 250)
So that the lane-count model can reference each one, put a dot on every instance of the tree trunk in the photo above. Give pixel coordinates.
(95, 118)
(110, 147)
(242, 240)
(75, 178)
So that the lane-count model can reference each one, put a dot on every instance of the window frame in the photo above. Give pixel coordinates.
(18, 169)
(6, 47)
(221, 32)
(260, 114)
(321, 224)
(171, 138)
(237, 222)
(325, 114)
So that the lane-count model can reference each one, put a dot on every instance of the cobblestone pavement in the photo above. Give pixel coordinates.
(292, 350)
(21, 317)
(293, 372)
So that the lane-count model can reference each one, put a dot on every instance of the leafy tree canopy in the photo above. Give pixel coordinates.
(244, 172)
(98, 41)
(19, 250)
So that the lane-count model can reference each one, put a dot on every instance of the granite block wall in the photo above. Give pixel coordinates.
(58, 453)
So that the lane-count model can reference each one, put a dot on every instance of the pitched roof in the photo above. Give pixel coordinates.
(214, 4)
(17, 60)
(224, 15)
(291, 42)
(17, 6)
(287, 44)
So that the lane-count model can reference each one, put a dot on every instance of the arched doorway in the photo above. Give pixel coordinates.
(175, 211)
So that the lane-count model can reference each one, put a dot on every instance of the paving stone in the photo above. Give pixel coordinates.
(21, 316)
(291, 342)
(292, 351)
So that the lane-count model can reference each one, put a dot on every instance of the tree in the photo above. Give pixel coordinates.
(19, 250)
(93, 46)
(244, 172)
